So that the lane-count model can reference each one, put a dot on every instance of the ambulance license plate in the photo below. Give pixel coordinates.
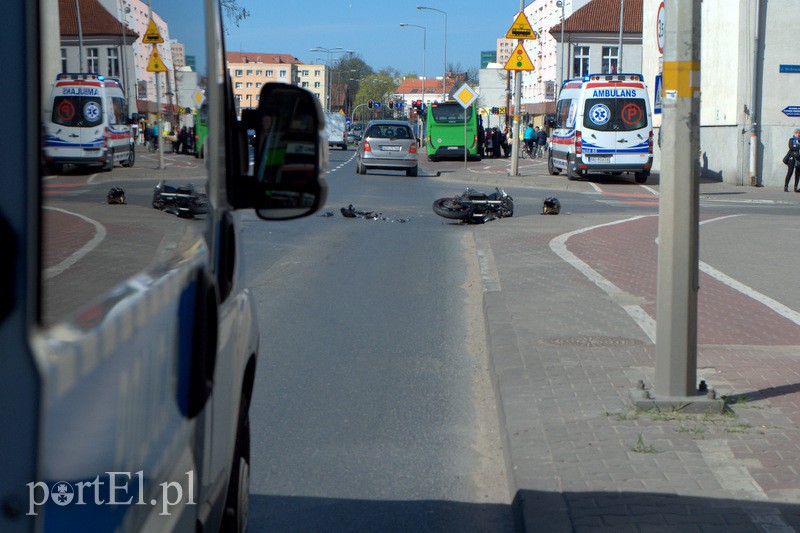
(599, 158)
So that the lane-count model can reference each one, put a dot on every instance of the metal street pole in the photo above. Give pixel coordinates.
(678, 223)
(621, 19)
(517, 102)
(561, 75)
(444, 74)
(424, 39)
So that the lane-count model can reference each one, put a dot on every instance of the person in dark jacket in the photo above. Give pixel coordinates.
(497, 143)
(792, 160)
(541, 142)
(481, 138)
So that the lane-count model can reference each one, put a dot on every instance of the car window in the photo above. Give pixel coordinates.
(90, 246)
(615, 114)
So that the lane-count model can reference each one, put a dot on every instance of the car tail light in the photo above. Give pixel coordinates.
(366, 146)
(650, 143)
(412, 149)
(578, 143)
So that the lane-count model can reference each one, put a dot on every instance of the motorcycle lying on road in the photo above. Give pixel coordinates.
(183, 201)
(475, 207)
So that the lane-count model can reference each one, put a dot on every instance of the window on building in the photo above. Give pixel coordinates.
(249, 84)
(113, 62)
(258, 84)
(259, 73)
(238, 85)
(258, 97)
(580, 61)
(92, 60)
(249, 96)
(317, 73)
(304, 85)
(305, 73)
(63, 60)
(270, 74)
(317, 85)
(249, 72)
(238, 72)
(610, 59)
(282, 74)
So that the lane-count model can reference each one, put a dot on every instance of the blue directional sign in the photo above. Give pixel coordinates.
(398, 105)
(347, 120)
(789, 69)
(657, 93)
(792, 111)
(376, 105)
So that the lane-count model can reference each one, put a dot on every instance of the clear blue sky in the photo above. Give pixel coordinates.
(368, 27)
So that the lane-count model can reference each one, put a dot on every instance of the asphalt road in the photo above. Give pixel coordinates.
(372, 409)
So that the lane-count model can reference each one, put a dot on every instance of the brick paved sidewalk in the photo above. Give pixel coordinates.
(565, 355)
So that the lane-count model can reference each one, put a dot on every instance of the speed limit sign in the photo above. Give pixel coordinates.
(661, 24)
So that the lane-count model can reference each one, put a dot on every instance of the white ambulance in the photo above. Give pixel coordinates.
(602, 124)
(87, 123)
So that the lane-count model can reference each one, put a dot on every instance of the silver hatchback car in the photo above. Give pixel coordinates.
(387, 145)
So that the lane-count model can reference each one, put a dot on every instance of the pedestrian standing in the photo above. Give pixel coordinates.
(541, 142)
(497, 143)
(506, 142)
(489, 150)
(528, 138)
(481, 139)
(792, 160)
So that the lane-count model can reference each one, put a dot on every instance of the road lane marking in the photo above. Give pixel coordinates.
(636, 312)
(99, 236)
(639, 315)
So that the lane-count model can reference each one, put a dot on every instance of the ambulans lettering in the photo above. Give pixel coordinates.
(614, 93)
(80, 91)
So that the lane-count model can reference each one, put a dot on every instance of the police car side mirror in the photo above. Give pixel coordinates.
(289, 154)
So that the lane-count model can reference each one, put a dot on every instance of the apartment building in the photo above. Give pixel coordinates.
(504, 49)
(314, 78)
(178, 53)
(249, 71)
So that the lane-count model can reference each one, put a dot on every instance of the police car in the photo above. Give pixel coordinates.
(602, 124)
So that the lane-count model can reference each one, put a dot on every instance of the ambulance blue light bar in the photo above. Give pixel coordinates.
(80, 76)
(613, 77)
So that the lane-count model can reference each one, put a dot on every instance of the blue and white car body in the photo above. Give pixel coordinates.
(603, 124)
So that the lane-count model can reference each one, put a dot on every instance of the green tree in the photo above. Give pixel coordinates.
(346, 76)
(375, 87)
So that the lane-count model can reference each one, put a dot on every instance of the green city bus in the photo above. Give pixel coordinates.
(445, 131)
(200, 131)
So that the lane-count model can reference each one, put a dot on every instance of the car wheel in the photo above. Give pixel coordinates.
(551, 168)
(237, 502)
(571, 174)
(412, 171)
(131, 158)
(641, 177)
(109, 164)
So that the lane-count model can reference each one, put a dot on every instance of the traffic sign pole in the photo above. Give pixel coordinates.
(678, 225)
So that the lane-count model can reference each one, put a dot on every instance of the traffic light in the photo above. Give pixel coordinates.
(369, 104)
(495, 111)
(391, 104)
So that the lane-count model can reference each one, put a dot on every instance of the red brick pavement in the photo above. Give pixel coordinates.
(62, 235)
(626, 254)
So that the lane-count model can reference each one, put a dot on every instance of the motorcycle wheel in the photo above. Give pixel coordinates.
(507, 210)
(447, 208)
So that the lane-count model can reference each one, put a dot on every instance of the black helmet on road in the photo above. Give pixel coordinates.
(116, 195)
(551, 206)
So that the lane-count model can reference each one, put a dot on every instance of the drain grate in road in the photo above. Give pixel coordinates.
(591, 341)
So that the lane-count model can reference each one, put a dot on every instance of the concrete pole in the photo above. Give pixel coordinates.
(517, 102)
(678, 227)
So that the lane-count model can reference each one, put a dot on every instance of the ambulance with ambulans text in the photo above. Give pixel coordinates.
(602, 125)
(87, 123)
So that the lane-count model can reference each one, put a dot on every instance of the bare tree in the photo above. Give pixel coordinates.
(235, 13)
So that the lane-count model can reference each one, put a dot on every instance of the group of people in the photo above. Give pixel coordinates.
(496, 143)
(535, 140)
(183, 143)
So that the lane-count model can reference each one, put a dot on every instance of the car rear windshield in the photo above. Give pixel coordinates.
(449, 113)
(615, 114)
(77, 111)
(388, 131)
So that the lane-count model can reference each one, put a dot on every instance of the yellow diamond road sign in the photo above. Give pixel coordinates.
(465, 95)
(521, 28)
(519, 60)
(155, 64)
(152, 35)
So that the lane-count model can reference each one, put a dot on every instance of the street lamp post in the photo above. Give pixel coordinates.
(560, 4)
(330, 52)
(444, 74)
(424, 39)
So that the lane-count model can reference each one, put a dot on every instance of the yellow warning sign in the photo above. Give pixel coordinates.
(155, 64)
(521, 28)
(152, 35)
(519, 60)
